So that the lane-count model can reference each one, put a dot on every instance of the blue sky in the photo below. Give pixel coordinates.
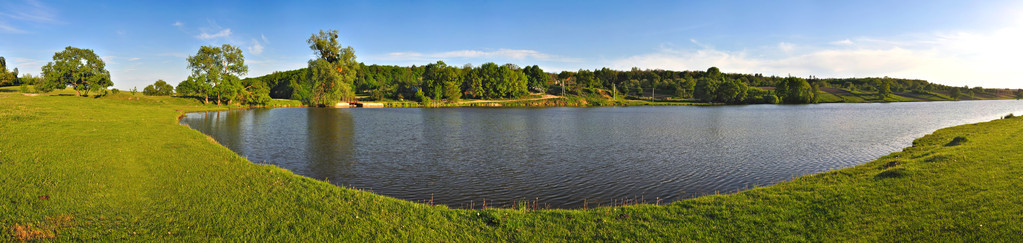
(949, 42)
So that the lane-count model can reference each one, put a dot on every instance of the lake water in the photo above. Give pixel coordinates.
(564, 156)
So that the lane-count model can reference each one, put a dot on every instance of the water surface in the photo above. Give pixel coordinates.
(564, 156)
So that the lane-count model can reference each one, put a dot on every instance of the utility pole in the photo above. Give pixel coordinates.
(653, 89)
(615, 88)
(563, 88)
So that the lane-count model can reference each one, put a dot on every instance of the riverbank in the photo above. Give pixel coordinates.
(116, 168)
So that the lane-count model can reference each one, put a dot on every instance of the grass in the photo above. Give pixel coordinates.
(121, 168)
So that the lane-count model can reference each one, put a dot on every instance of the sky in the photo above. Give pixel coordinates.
(975, 43)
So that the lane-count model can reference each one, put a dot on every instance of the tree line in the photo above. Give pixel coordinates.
(334, 76)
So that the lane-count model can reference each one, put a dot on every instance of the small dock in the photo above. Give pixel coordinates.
(363, 104)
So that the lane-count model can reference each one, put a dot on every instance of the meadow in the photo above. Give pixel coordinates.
(120, 167)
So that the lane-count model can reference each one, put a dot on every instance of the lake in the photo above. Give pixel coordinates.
(563, 157)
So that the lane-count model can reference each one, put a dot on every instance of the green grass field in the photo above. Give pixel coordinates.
(121, 168)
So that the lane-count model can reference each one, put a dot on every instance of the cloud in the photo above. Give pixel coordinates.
(786, 47)
(108, 59)
(264, 39)
(845, 42)
(986, 59)
(178, 24)
(28, 12)
(134, 59)
(222, 34)
(256, 48)
(472, 54)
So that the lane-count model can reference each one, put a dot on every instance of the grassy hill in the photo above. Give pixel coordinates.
(121, 168)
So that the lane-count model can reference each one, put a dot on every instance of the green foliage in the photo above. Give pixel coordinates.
(215, 72)
(706, 89)
(7, 78)
(134, 90)
(332, 73)
(732, 92)
(80, 69)
(189, 87)
(1018, 94)
(256, 93)
(160, 88)
(115, 91)
(884, 88)
(955, 93)
(23, 88)
(282, 84)
(793, 90)
(30, 79)
(537, 78)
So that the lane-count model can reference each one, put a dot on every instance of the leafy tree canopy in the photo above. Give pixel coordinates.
(81, 69)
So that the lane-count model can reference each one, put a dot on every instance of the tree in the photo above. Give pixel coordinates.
(884, 88)
(1019, 94)
(7, 78)
(538, 79)
(954, 93)
(159, 88)
(189, 87)
(706, 89)
(256, 92)
(732, 92)
(81, 69)
(215, 72)
(434, 77)
(332, 74)
(793, 90)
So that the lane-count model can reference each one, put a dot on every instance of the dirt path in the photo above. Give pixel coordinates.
(542, 97)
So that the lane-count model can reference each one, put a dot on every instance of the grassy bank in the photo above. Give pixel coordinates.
(120, 167)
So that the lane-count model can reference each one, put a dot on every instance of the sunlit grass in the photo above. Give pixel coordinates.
(121, 168)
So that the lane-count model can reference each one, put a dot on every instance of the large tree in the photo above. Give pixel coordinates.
(215, 72)
(81, 69)
(332, 74)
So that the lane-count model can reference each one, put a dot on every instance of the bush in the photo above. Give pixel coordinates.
(23, 88)
(1010, 115)
(115, 91)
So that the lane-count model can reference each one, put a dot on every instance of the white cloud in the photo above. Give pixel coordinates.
(134, 59)
(23, 13)
(222, 34)
(960, 58)
(472, 54)
(264, 39)
(786, 47)
(256, 48)
(845, 42)
(108, 59)
(178, 24)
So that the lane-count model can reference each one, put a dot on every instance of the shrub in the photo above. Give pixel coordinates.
(23, 88)
(115, 91)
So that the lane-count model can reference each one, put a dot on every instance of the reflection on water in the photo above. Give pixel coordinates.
(330, 144)
(563, 156)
